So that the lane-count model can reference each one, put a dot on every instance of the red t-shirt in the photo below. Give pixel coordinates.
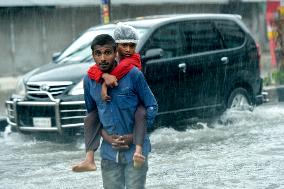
(124, 66)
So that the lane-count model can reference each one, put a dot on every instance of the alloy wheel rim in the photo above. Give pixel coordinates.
(239, 101)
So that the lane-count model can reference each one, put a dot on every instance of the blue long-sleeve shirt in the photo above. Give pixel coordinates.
(117, 115)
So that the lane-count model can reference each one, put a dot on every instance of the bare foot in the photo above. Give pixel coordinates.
(138, 160)
(84, 166)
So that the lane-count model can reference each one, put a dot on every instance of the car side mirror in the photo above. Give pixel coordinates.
(55, 56)
(154, 53)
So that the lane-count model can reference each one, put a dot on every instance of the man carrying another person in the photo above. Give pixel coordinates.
(118, 115)
(126, 38)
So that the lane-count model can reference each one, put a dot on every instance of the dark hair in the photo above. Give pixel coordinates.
(103, 39)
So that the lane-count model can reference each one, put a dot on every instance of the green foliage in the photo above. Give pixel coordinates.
(276, 77)
(267, 81)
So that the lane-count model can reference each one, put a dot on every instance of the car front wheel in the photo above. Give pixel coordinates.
(239, 99)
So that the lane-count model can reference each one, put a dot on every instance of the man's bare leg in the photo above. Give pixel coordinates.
(138, 137)
(138, 158)
(92, 142)
(87, 165)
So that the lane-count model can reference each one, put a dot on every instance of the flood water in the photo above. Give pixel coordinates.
(243, 150)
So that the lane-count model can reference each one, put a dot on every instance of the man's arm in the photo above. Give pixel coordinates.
(89, 101)
(147, 98)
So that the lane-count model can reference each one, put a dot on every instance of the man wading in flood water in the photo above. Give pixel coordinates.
(126, 38)
(117, 117)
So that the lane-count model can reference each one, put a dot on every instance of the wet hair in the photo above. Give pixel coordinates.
(103, 39)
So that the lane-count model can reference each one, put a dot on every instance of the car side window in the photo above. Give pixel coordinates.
(167, 38)
(232, 34)
(200, 36)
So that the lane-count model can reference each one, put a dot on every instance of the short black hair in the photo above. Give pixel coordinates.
(103, 39)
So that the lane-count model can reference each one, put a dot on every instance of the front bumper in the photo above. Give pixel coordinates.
(60, 115)
(262, 98)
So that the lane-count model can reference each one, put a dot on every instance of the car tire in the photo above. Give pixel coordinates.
(239, 99)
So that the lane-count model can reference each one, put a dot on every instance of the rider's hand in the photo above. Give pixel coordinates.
(110, 80)
(118, 143)
(128, 139)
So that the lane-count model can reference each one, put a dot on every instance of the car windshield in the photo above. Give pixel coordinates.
(80, 50)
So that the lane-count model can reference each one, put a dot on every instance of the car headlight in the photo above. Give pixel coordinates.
(77, 89)
(20, 89)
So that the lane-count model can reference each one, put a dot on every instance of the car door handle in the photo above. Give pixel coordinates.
(182, 67)
(225, 60)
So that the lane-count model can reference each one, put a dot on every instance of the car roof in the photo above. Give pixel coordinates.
(150, 21)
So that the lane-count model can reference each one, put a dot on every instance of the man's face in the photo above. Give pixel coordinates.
(126, 49)
(104, 56)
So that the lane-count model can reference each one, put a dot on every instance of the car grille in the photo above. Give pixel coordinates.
(54, 88)
(71, 114)
(27, 113)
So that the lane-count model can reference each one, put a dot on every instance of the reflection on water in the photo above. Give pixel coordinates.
(242, 150)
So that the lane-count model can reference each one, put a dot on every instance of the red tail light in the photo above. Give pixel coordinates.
(259, 56)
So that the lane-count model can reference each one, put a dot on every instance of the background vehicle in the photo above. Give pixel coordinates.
(196, 65)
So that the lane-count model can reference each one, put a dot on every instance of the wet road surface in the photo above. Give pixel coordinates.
(242, 150)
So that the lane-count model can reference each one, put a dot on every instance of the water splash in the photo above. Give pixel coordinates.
(241, 149)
